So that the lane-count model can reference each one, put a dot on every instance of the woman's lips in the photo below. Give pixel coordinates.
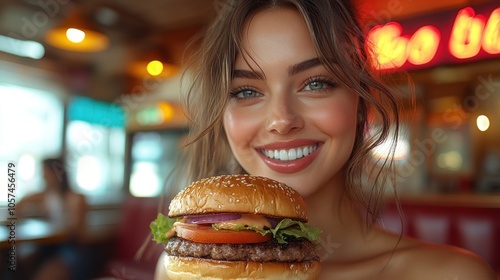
(286, 159)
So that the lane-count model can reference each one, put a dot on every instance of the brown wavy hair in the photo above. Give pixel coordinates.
(340, 44)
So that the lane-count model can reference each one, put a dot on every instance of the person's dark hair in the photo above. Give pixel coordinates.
(340, 43)
(57, 167)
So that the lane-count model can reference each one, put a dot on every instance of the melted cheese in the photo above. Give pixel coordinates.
(172, 231)
(246, 220)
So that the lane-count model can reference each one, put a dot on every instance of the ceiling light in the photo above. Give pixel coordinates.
(154, 67)
(483, 123)
(75, 33)
(152, 61)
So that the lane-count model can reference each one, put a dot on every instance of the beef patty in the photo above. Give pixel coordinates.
(293, 251)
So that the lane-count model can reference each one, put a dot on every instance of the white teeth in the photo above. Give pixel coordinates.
(269, 153)
(291, 154)
(305, 151)
(299, 153)
(283, 155)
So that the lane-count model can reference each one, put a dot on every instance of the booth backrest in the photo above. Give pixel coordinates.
(134, 231)
(476, 229)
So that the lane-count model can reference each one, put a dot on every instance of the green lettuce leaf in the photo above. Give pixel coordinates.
(287, 228)
(283, 231)
(160, 226)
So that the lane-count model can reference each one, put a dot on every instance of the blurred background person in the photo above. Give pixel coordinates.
(66, 210)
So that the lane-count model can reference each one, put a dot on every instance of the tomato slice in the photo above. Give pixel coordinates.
(206, 234)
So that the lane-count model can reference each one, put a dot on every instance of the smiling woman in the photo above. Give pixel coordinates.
(286, 89)
(292, 93)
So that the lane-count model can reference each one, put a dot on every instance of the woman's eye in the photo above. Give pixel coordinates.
(245, 93)
(315, 85)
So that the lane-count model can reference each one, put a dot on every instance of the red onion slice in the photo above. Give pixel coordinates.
(212, 218)
(274, 221)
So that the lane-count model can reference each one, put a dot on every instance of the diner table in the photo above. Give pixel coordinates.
(18, 237)
(15, 232)
(100, 224)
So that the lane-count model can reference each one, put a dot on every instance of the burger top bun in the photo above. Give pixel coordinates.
(193, 268)
(240, 193)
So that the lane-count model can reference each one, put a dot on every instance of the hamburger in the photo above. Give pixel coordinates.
(238, 227)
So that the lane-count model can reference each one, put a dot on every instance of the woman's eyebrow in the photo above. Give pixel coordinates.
(292, 70)
(303, 66)
(248, 74)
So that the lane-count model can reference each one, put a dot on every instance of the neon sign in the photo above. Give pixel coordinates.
(470, 36)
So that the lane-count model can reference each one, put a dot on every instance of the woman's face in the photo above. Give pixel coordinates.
(287, 117)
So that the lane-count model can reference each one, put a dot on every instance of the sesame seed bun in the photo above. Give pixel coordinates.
(239, 193)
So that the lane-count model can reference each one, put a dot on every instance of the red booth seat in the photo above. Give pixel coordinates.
(476, 229)
(133, 232)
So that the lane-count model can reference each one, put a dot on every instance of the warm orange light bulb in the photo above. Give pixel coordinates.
(483, 123)
(167, 110)
(75, 35)
(154, 68)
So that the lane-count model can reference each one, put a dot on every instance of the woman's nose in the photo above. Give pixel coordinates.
(283, 118)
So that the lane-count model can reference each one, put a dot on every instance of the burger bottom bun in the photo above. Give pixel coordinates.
(196, 268)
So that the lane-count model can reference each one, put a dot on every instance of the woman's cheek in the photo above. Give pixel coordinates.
(335, 118)
(239, 125)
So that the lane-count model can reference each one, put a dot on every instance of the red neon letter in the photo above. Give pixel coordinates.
(465, 41)
(491, 37)
(423, 45)
(389, 48)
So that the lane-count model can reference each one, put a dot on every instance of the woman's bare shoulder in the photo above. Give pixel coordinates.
(421, 260)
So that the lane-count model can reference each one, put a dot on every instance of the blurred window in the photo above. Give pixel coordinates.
(31, 128)
(154, 154)
(95, 149)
